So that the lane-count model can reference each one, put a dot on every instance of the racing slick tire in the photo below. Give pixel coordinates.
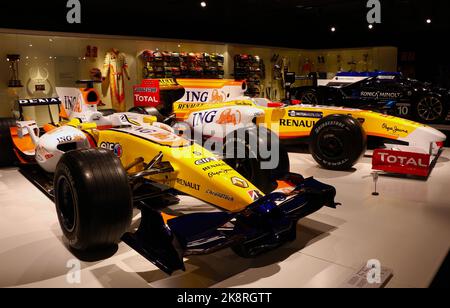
(309, 97)
(253, 166)
(7, 155)
(337, 142)
(93, 199)
(430, 109)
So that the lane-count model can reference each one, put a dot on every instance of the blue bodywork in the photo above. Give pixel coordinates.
(264, 225)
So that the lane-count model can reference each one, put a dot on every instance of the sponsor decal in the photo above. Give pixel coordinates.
(305, 114)
(255, 195)
(230, 116)
(239, 182)
(219, 173)
(379, 94)
(298, 123)
(167, 82)
(197, 153)
(116, 148)
(188, 184)
(188, 106)
(64, 139)
(243, 103)
(197, 96)
(124, 119)
(205, 161)
(156, 135)
(147, 94)
(214, 166)
(42, 154)
(394, 129)
(40, 101)
(401, 162)
(220, 195)
(202, 118)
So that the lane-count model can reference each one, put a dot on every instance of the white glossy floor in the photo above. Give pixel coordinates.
(407, 228)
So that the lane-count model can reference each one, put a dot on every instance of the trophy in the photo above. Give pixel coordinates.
(14, 81)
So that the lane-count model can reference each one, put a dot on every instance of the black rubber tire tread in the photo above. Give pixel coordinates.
(103, 198)
(352, 136)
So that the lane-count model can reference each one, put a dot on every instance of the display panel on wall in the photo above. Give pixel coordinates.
(165, 64)
(252, 69)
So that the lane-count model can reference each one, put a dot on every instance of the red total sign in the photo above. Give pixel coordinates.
(401, 162)
(147, 94)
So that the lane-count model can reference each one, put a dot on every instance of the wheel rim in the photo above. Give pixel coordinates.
(430, 108)
(331, 146)
(309, 98)
(66, 204)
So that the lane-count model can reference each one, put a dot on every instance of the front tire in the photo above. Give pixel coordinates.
(7, 155)
(431, 109)
(93, 199)
(338, 142)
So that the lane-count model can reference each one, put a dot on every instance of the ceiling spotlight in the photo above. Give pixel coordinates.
(333, 29)
(203, 4)
(370, 26)
(429, 21)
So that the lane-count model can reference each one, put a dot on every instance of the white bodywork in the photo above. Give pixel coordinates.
(51, 146)
(220, 122)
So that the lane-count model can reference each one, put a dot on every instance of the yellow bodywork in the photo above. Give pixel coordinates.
(196, 171)
(291, 122)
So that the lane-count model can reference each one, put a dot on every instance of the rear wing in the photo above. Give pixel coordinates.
(39, 102)
(52, 101)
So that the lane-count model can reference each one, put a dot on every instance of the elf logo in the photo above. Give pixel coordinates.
(116, 148)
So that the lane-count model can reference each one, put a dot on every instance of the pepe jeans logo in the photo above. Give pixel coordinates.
(74, 14)
(394, 129)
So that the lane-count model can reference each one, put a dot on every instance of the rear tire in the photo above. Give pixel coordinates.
(93, 199)
(338, 142)
(7, 155)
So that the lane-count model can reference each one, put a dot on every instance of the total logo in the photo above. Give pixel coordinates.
(116, 148)
(403, 161)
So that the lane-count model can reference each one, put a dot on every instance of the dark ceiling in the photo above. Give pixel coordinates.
(290, 23)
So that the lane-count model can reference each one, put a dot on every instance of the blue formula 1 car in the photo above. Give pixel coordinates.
(383, 92)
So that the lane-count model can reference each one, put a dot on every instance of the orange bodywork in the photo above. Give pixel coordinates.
(24, 144)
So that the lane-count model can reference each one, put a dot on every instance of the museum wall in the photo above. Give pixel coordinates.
(57, 61)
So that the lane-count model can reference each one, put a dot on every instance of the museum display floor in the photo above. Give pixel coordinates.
(406, 228)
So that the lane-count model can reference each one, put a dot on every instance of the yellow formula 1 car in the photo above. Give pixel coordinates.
(337, 136)
(99, 166)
